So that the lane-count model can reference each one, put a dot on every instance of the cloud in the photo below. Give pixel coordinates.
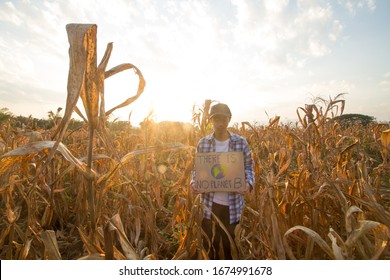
(385, 83)
(336, 31)
(275, 6)
(354, 6)
(284, 33)
(10, 14)
(177, 32)
(267, 37)
(329, 88)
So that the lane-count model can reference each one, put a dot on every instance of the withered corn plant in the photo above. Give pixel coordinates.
(85, 80)
(319, 190)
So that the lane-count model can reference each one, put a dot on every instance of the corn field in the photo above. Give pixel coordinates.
(322, 188)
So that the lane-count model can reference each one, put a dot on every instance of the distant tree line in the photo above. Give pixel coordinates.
(350, 119)
(32, 123)
(54, 118)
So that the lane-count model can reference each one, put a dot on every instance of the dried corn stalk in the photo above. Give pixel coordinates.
(86, 80)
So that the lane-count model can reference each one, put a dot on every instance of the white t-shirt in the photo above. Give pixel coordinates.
(221, 197)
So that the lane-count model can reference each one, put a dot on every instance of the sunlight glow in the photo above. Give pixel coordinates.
(256, 56)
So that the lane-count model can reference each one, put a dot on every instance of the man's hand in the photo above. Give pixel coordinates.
(246, 189)
(194, 190)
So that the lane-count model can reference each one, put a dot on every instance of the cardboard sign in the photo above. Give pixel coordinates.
(219, 172)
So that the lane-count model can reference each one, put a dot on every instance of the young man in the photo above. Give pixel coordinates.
(227, 206)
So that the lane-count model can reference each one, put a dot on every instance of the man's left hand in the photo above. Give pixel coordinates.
(246, 189)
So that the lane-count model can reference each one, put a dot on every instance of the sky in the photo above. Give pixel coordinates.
(264, 58)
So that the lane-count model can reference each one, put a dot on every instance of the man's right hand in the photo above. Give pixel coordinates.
(194, 190)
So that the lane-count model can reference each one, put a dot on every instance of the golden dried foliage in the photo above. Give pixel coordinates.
(321, 192)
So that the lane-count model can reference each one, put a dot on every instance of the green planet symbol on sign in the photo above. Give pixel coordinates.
(218, 171)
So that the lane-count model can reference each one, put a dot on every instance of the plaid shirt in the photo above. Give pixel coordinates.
(236, 200)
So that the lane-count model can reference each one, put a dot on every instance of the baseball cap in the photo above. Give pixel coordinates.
(220, 109)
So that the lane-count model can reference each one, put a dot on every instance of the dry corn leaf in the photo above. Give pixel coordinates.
(141, 84)
(274, 122)
(4, 234)
(27, 150)
(84, 159)
(349, 218)
(78, 37)
(277, 237)
(382, 215)
(385, 138)
(100, 80)
(382, 237)
(51, 247)
(78, 112)
(284, 167)
(181, 255)
(11, 216)
(115, 224)
(108, 242)
(85, 58)
(94, 256)
(25, 250)
(137, 228)
(311, 234)
(89, 245)
(3, 146)
(47, 216)
(364, 227)
(337, 250)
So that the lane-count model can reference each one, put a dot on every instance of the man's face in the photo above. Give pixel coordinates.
(220, 122)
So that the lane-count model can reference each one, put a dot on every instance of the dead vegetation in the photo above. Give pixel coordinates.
(322, 190)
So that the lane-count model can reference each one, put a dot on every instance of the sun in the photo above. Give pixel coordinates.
(166, 97)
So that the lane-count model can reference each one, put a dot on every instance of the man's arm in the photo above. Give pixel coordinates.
(249, 166)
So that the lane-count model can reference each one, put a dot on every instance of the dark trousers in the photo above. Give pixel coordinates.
(218, 236)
